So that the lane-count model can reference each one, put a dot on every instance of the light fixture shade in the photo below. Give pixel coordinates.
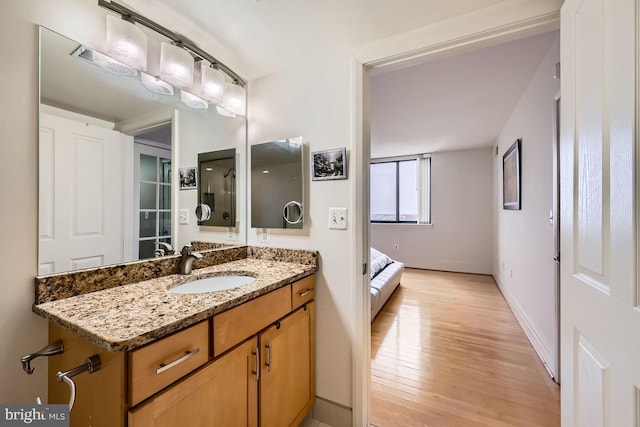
(156, 85)
(212, 85)
(126, 43)
(235, 99)
(176, 66)
(111, 65)
(193, 101)
(224, 112)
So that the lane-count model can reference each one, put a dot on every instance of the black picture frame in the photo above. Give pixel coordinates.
(329, 164)
(188, 178)
(511, 177)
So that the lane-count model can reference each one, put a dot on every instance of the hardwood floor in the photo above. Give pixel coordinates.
(447, 351)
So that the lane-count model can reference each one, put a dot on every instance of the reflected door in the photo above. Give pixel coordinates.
(81, 195)
(152, 177)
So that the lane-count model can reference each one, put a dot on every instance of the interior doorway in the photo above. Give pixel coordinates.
(369, 135)
(152, 201)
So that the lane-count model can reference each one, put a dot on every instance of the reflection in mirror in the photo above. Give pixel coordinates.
(110, 151)
(217, 187)
(277, 184)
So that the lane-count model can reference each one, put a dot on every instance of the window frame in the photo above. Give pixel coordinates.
(424, 188)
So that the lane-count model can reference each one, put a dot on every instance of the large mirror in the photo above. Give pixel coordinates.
(110, 156)
(277, 184)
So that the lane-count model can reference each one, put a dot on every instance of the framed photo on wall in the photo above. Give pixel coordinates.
(329, 164)
(188, 179)
(511, 185)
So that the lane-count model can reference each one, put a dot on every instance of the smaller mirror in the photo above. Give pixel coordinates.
(217, 188)
(277, 184)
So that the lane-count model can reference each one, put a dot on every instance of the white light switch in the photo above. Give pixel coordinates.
(338, 218)
(184, 216)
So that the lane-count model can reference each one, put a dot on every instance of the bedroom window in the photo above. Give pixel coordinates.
(400, 190)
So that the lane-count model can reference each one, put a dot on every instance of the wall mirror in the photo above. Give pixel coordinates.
(217, 188)
(110, 152)
(277, 184)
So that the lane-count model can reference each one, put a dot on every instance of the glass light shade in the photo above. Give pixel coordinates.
(126, 43)
(212, 85)
(193, 101)
(156, 85)
(176, 66)
(113, 66)
(235, 99)
(224, 112)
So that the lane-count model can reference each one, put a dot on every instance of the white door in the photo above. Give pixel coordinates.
(600, 319)
(81, 195)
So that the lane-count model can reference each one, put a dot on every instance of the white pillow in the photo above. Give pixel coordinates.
(378, 262)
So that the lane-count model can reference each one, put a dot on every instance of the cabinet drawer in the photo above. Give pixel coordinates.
(153, 367)
(239, 323)
(302, 291)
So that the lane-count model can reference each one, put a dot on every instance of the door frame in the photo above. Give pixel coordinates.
(556, 222)
(484, 28)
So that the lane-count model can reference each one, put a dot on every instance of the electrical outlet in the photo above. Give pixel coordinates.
(184, 216)
(338, 218)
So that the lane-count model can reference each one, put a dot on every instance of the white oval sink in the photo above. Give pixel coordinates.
(212, 284)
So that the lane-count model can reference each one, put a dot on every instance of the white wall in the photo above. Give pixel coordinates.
(21, 331)
(200, 132)
(314, 101)
(461, 235)
(523, 241)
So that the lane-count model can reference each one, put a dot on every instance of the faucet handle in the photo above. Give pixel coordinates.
(186, 250)
(164, 246)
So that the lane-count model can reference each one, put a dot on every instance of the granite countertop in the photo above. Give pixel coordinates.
(125, 317)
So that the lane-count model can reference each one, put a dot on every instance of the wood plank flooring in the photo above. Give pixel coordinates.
(447, 351)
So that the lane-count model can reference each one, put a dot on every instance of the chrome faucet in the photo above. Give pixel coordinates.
(188, 255)
(163, 248)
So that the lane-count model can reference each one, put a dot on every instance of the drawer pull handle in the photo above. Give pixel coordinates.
(188, 355)
(305, 292)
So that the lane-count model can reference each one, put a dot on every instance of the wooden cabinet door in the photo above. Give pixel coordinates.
(223, 393)
(287, 381)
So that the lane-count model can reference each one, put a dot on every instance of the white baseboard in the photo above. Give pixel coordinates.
(332, 413)
(544, 353)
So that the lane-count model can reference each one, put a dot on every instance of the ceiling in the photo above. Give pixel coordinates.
(458, 102)
(270, 35)
(446, 100)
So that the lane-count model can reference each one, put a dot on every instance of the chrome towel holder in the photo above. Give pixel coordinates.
(92, 365)
(49, 350)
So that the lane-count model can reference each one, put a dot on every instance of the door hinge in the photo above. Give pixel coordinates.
(364, 268)
(557, 258)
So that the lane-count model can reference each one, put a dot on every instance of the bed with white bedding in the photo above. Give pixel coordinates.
(385, 278)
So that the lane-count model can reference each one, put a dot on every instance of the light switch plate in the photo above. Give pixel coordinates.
(184, 216)
(338, 218)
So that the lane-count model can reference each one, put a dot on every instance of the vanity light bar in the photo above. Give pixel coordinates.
(132, 16)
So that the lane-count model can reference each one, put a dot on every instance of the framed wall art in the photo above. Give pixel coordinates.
(329, 164)
(188, 178)
(511, 177)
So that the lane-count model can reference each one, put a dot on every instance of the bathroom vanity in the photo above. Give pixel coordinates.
(238, 357)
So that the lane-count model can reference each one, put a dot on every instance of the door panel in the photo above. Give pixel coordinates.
(287, 386)
(81, 195)
(600, 345)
